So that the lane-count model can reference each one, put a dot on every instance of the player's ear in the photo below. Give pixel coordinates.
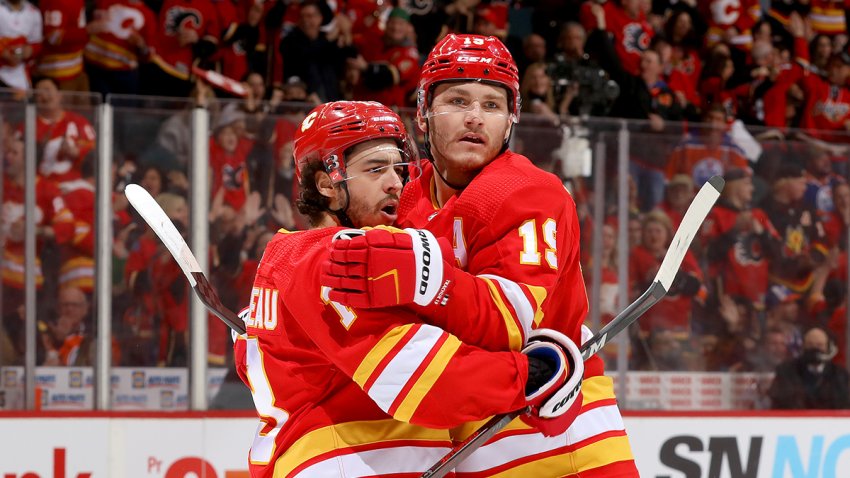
(325, 186)
(421, 122)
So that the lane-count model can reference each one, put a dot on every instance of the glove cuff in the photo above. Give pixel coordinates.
(431, 269)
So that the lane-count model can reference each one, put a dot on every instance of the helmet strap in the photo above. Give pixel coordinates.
(427, 145)
(342, 213)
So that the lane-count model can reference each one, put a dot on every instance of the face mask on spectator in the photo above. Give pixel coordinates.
(814, 356)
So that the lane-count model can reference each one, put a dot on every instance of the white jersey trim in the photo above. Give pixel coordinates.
(514, 447)
(524, 309)
(386, 461)
(395, 376)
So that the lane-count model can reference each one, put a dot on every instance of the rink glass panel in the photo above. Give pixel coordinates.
(659, 369)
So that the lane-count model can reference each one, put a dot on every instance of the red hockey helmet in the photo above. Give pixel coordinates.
(470, 58)
(332, 128)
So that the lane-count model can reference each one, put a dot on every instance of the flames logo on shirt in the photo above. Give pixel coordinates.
(635, 39)
(831, 110)
(747, 250)
(177, 17)
(232, 176)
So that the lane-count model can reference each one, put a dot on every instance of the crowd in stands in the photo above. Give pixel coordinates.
(756, 92)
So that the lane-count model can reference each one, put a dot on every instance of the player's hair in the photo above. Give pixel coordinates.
(311, 202)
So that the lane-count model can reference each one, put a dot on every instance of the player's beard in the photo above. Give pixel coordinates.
(457, 166)
(363, 214)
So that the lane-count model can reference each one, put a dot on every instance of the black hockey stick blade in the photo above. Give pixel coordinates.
(162, 226)
(688, 229)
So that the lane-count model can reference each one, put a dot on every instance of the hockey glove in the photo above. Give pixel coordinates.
(553, 389)
(387, 267)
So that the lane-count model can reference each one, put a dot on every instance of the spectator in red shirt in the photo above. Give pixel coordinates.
(188, 31)
(826, 113)
(740, 241)
(685, 41)
(626, 20)
(123, 33)
(228, 163)
(389, 69)
(716, 86)
(731, 22)
(54, 223)
(673, 313)
(65, 137)
(65, 38)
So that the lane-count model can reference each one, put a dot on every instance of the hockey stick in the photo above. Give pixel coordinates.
(162, 226)
(691, 222)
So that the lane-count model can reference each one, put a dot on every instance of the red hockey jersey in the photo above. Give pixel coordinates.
(744, 266)
(230, 172)
(197, 15)
(515, 233)
(65, 37)
(372, 391)
(828, 16)
(404, 61)
(632, 36)
(737, 16)
(113, 48)
(71, 127)
(78, 258)
(827, 107)
(50, 211)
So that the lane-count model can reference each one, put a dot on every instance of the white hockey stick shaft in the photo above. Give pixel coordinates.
(688, 229)
(162, 226)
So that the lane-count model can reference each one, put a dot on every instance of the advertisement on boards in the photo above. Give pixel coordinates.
(741, 446)
(687, 446)
(118, 447)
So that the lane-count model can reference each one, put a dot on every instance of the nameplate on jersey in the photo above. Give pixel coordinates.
(263, 311)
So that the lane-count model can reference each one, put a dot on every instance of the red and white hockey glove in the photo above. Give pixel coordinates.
(386, 266)
(553, 389)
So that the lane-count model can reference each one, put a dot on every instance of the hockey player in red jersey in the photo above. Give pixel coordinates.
(515, 242)
(345, 392)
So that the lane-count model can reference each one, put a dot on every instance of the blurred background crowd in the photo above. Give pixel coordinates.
(757, 92)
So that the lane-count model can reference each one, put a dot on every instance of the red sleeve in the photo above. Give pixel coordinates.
(522, 251)
(212, 28)
(588, 21)
(57, 215)
(415, 372)
(807, 81)
(86, 137)
(775, 99)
